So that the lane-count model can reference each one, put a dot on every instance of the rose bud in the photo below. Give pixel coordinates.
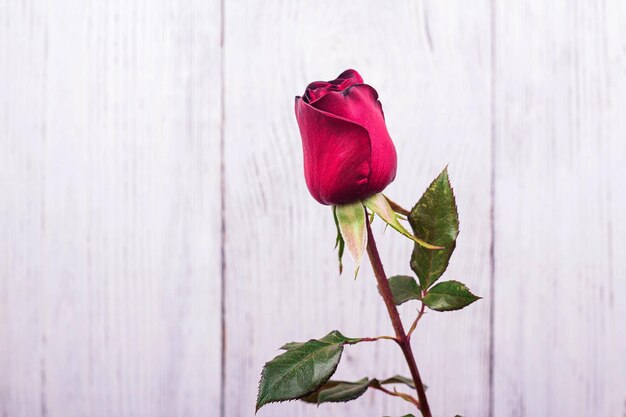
(348, 154)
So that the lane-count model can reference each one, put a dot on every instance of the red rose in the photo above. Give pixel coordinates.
(348, 154)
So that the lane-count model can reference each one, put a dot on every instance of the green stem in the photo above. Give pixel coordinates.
(401, 337)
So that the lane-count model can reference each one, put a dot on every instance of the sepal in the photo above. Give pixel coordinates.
(340, 244)
(351, 220)
(378, 204)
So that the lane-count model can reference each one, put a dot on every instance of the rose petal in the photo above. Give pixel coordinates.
(318, 89)
(353, 75)
(360, 104)
(336, 155)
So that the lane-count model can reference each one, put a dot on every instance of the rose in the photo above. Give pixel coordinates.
(348, 154)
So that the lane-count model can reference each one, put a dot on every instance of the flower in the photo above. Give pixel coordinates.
(348, 153)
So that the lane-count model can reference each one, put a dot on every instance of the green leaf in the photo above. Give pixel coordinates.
(396, 379)
(339, 242)
(338, 391)
(434, 219)
(449, 295)
(351, 221)
(378, 204)
(404, 288)
(291, 345)
(343, 392)
(314, 396)
(302, 369)
(399, 379)
(333, 337)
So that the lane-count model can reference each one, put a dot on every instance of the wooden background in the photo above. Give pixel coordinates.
(158, 242)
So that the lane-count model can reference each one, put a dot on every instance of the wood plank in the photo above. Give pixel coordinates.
(430, 62)
(110, 279)
(22, 225)
(560, 211)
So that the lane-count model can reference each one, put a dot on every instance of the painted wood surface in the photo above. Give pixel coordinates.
(560, 209)
(159, 243)
(110, 166)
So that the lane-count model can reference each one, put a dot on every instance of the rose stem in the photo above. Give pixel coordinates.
(401, 338)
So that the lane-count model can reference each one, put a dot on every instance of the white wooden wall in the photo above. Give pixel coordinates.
(158, 242)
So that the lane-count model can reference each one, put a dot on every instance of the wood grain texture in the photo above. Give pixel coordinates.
(560, 211)
(430, 62)
(110, 118)
(116, 126)
(22, 224)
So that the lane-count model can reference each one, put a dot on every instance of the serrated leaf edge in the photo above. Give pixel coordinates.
(366, 385)
(418, 295)
(335, 333)
(259, 400)
(456, 210)
(472, 295)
